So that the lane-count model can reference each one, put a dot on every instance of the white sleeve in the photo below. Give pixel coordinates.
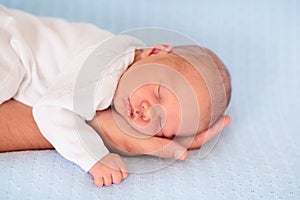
(70, 135)
(11, 70)
(65, 129)
(77, 93)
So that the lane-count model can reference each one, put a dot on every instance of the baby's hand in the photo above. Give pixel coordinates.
(110, 169)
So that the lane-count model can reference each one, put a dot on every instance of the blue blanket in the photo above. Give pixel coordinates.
(256, 157)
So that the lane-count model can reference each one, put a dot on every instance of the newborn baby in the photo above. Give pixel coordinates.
(58, 68)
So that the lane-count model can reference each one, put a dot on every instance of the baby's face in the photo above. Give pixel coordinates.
(156, 107)
(158, 100)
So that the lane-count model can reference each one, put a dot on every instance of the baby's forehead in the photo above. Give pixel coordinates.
(178, 74)
(185, 67)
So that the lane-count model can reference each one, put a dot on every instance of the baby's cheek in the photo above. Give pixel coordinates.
(159, 134)
(168, 132)
(172, 127)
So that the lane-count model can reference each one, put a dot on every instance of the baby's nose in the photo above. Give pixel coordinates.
(145, 110)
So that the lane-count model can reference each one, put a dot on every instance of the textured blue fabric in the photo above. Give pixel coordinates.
(257, 156)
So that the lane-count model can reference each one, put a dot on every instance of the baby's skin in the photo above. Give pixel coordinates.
(134, 103)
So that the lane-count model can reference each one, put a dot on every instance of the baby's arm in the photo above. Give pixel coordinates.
(79, 143)
(69, 133)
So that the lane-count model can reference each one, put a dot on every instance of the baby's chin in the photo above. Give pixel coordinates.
(148, 129)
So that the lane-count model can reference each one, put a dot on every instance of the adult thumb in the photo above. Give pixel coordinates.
(164, 148)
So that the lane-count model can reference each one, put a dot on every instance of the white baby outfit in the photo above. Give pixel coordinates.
(66, 72)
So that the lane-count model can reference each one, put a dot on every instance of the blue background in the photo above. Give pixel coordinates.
(257, 156)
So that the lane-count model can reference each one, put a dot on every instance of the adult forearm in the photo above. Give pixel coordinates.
(18, 131)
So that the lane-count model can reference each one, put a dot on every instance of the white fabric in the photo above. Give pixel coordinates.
(41, 64)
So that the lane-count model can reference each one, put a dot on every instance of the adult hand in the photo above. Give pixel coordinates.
(127, 144)
(201, 138)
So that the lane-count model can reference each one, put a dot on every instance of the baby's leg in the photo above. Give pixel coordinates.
(18, 131)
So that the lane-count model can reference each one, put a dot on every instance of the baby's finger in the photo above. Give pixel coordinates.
(99, 182)
(107, 180)
(124, 171)
(117, 177)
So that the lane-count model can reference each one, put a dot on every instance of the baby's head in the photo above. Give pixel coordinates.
(173, 91)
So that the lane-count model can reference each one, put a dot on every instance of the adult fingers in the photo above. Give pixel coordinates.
(163, 148)
(201, 138)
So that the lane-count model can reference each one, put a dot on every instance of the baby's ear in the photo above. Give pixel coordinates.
(159, 49)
